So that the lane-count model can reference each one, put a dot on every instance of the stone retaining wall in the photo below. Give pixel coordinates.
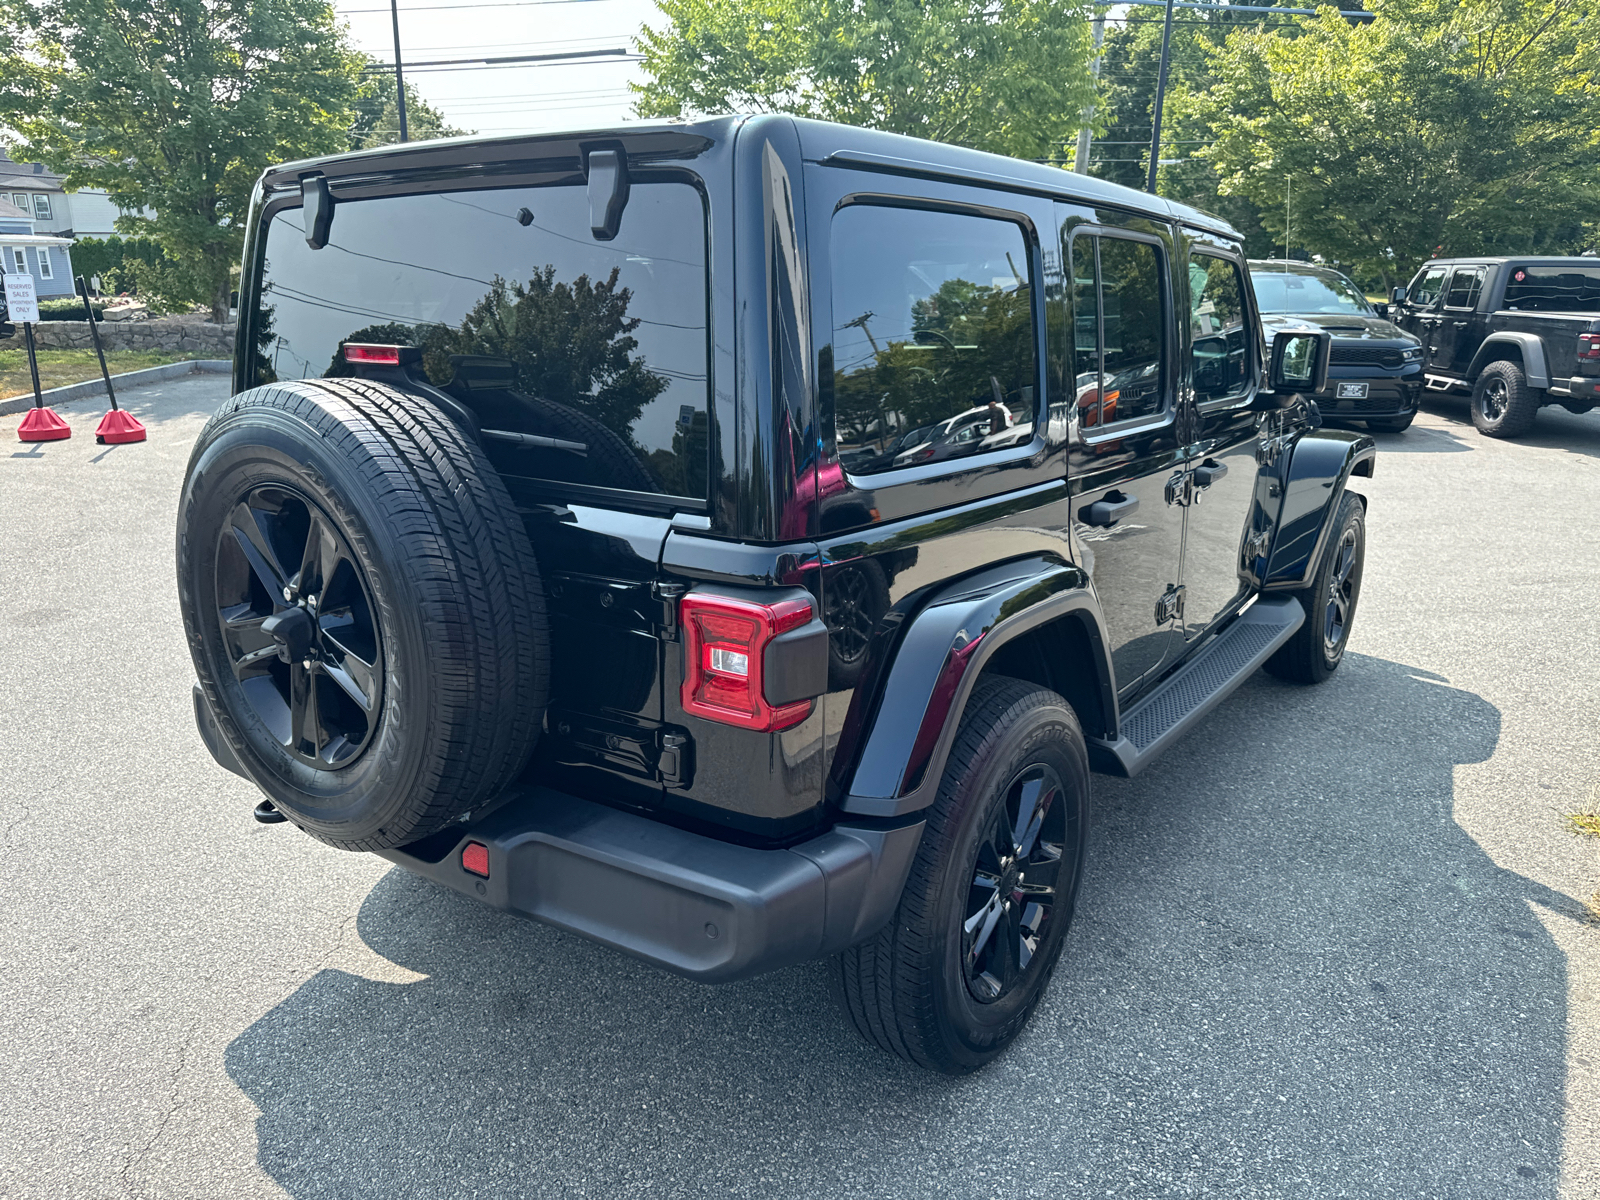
(195, 337)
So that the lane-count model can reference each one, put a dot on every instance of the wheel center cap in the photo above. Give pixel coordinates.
(293, 630)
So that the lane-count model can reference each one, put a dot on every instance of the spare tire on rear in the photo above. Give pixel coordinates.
(363, 608)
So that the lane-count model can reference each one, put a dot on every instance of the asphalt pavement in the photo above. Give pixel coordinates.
(1332, 945)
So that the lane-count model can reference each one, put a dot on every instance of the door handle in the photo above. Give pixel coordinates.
(1209, 472)
(1459, 324)
(1109, 509)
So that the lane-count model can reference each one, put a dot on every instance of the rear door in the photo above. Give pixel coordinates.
(1125, 467)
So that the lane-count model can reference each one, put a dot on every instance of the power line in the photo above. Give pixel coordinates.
(504, 60)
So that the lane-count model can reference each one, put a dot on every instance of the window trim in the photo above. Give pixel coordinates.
(42, 253)
(1168, 412)
(42, 209)
(1031, 242)
(1248, 384)
(1444, 279)
(1450, 284)
(19, 261)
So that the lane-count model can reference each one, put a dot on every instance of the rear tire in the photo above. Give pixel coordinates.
(1503, 405)
(1317, 647)
(363, 608)
(954, 977)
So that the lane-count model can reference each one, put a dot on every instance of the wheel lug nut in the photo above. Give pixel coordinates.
(288, 595)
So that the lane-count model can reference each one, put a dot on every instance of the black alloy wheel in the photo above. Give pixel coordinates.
(299, 626)
(1014, 880)
(1340, 603)
(1503, 404)
(953, 977)
(1495, 400)
(1315, 650)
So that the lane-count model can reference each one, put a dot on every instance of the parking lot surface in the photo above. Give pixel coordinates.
(1332, 945)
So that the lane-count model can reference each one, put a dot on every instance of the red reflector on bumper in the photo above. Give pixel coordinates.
(475, 858)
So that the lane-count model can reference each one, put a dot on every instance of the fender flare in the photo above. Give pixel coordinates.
(941, 653)
(1313, 481)
(1533, 360)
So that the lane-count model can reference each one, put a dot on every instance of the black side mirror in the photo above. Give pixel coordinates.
(1397, 296)
(1381, 309)
(1299, 361)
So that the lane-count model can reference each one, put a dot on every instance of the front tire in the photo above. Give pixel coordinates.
(953, 978)
(1317, 647)
(1503, 405)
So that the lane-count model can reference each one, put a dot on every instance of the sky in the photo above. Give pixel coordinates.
(513, 99)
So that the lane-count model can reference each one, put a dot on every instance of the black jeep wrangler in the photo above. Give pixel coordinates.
(737, 542)
(1518, 333)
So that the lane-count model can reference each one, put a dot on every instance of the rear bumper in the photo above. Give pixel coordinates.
(702, 908)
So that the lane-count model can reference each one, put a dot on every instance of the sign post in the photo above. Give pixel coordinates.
(116, 426)
(41, 424)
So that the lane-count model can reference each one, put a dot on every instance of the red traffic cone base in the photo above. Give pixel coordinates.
(42, 425)
(118, 426)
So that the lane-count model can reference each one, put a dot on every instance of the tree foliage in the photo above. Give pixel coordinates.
(377, 115)
(1008, 76)
(1467, 126)
(176, 106)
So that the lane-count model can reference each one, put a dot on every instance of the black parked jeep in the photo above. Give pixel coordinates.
(1518, 333)
(566, 541)
(1375, 368)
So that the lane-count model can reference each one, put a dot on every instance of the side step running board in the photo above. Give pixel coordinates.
(1170, 711)
(1441, 383)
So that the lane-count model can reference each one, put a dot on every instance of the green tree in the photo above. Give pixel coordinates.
(1462, 125)
(177, 106)
(1008, 76)
(377, 115)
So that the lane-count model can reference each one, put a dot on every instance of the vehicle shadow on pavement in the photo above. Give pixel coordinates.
(1553, 429)
(1293, 974)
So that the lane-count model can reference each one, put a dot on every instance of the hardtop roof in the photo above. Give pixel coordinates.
(820, 141)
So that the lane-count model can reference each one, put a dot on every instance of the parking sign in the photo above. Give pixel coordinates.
(21, 299)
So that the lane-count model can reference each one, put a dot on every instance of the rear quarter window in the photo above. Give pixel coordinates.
(1554, 289)
(597, 343)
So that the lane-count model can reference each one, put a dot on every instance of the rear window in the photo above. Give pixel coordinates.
(517, 309)
(1554, 289)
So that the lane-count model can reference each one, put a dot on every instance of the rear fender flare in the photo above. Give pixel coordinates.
(1313, 482)
(941, 654)
(1531, 350)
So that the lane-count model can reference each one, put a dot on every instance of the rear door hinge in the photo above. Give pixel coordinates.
(669, 594)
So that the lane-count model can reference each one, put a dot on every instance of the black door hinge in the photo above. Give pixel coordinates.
(1170, 605)
(669, 594)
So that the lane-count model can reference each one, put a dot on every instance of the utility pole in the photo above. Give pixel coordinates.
(1080, 161)
(1161, 96)
(400, 79)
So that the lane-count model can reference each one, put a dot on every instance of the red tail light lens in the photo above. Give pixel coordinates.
(1589, 346)
(366, 352)
(724, 643)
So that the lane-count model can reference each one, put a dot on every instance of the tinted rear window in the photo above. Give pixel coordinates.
(1554, 289)
(598, 343)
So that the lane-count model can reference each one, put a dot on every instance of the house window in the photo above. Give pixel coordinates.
(41, 209)
(19, 262)
(20, 199)
(44, 263)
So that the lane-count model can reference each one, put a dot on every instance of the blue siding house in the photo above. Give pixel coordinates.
(22, 251)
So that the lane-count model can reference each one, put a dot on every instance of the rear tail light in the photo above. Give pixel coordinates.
(1589, 347)
(393, 356)
(725, 641)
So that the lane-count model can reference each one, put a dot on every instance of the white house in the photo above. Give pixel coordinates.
(48, 258)
(38, 191)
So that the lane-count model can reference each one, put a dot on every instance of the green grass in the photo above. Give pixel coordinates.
(1585, 822)
(60, 367)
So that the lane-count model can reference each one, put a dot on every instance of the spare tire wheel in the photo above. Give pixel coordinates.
(363, 608)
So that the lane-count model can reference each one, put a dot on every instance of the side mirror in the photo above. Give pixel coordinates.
(1397, 296)
(1299, 361)
(1381, 309)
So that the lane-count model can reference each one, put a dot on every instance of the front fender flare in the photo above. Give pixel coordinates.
(1529, 344)
(1313, 481)
(940, 656)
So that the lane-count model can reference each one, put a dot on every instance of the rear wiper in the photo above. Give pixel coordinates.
(534, 440)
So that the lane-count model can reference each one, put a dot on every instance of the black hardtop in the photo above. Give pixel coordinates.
(820, 141)
(1492, 260)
